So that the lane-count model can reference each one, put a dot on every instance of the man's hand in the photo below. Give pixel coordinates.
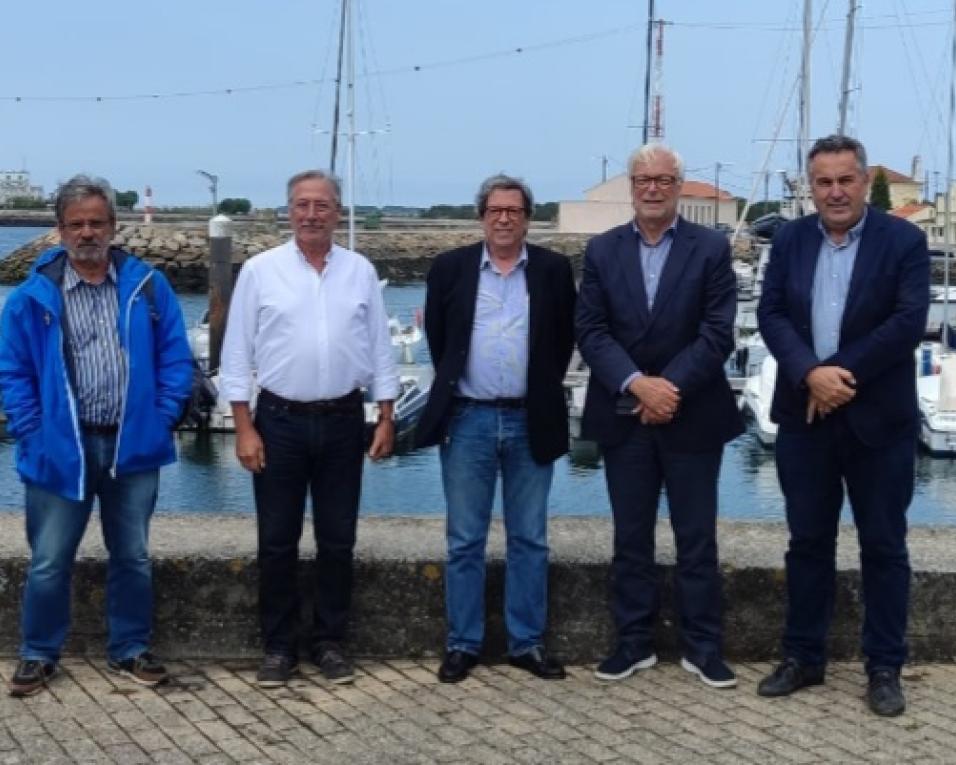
(830, 387)
(383, 438)
(658, 399)
(249, 447)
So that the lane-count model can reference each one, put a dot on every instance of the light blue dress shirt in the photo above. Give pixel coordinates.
(497, 365)
(831, 283)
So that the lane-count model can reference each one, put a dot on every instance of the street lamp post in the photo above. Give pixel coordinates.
(213, 187)
(717, 167)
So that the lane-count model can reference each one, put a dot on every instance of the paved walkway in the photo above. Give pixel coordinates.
(396, 712)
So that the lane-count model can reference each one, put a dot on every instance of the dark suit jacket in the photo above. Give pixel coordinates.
(686, 338)
(883, 321)
(449, 314)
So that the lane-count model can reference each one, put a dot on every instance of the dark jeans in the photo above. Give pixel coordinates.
(319, 453)
(813, 467)
(636, 470)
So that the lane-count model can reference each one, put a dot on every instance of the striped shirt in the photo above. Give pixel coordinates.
(831, 284)
(99, 370)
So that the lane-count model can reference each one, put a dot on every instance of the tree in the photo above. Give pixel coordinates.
(126, 200)
(25, 203)
(547, 211)
(880, 192)
(238, 206)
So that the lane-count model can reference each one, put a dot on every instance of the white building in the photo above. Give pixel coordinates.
(16, 183)
(609, 204)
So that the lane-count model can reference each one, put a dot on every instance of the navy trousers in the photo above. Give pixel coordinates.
(814, 467)
(636, 470)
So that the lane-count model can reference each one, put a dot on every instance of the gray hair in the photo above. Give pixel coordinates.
(314, 175)
(833, 144)
(83, 187)
(502, 182)
(648, 151)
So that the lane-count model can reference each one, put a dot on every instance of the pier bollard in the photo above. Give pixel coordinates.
(220, 284)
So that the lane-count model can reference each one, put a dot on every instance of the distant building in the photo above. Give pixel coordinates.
(609, 204)
(16, 183)
(904, 190)
(924, 216)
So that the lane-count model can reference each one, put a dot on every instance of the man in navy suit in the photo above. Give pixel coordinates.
(499, 318)
(843, 307)
(655, 323)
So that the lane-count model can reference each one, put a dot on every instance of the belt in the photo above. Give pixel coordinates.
(99, 430)
(499, 403)
(350, 402)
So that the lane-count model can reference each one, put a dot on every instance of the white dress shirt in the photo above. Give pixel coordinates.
(305, 335)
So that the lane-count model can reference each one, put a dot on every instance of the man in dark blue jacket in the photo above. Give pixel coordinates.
(655, 322)
(95, 370)
(843, 307)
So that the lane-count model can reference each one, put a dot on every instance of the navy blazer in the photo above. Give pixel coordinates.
(686, 338)
(452, 291)
(883, 321)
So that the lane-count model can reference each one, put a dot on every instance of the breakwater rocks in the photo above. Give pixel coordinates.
(181, 251)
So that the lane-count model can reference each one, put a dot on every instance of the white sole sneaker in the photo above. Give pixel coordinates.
(645, 663)
(695, 670)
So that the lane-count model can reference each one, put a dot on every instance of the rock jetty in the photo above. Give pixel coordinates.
(181, 251)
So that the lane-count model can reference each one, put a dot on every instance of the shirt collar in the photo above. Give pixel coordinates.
(328, 258)
(72, 278)
(669, 231)
(851, 236)
(486, 258)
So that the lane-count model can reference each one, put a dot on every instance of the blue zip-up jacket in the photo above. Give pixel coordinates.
(35, 377)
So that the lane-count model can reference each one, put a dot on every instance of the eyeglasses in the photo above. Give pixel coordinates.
(76, 226)
(661, 181)
(511, 213)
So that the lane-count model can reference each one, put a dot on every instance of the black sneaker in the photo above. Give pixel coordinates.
(31, 676)
(789, 676)
(884, 693)
(144, 669)
(334, 665)
(624, 662)
(276, 670)
(714, 672)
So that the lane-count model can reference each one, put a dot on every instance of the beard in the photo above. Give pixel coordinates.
(90, 253)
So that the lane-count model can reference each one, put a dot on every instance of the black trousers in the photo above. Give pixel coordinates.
(320, 454)
(636, 471)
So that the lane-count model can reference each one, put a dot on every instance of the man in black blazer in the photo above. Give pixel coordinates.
(843, 307)
(499, 320)
(655, 323)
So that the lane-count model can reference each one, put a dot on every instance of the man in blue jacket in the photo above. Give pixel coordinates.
(95, 370)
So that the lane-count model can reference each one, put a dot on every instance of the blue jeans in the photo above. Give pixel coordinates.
(482, 440)
(55, 526)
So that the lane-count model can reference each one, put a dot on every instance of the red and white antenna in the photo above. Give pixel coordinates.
(656, 134)
(148, 206)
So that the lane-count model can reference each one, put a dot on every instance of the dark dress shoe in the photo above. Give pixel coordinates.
(456, 666)
(538, 663)
(884, 693)
(789, 676)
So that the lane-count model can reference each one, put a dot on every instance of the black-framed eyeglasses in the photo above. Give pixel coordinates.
(661, 181)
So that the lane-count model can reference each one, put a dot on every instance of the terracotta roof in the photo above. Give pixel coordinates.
(907, 210)
(701, 189)
(891, 175)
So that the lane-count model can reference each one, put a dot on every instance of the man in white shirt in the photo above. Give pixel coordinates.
(307, 322)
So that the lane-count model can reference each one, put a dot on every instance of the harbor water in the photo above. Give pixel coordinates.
(208, 477)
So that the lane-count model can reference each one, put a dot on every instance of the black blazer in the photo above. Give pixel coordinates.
(452, 291)
(883, 321)
(686, 338)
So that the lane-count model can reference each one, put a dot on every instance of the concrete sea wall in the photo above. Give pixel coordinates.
(206, 584)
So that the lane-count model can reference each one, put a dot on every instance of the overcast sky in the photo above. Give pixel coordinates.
(444, 77)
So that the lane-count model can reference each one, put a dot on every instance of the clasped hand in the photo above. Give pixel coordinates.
(830, 387)
(658, 399)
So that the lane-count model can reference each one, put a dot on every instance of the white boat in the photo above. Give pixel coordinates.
(757, 397)
(936, 397)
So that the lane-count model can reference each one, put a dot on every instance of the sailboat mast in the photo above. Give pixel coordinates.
(338, 91)
(948, 238)
(847, 56)
(350, 113)
(804, 140)
(647, 72)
